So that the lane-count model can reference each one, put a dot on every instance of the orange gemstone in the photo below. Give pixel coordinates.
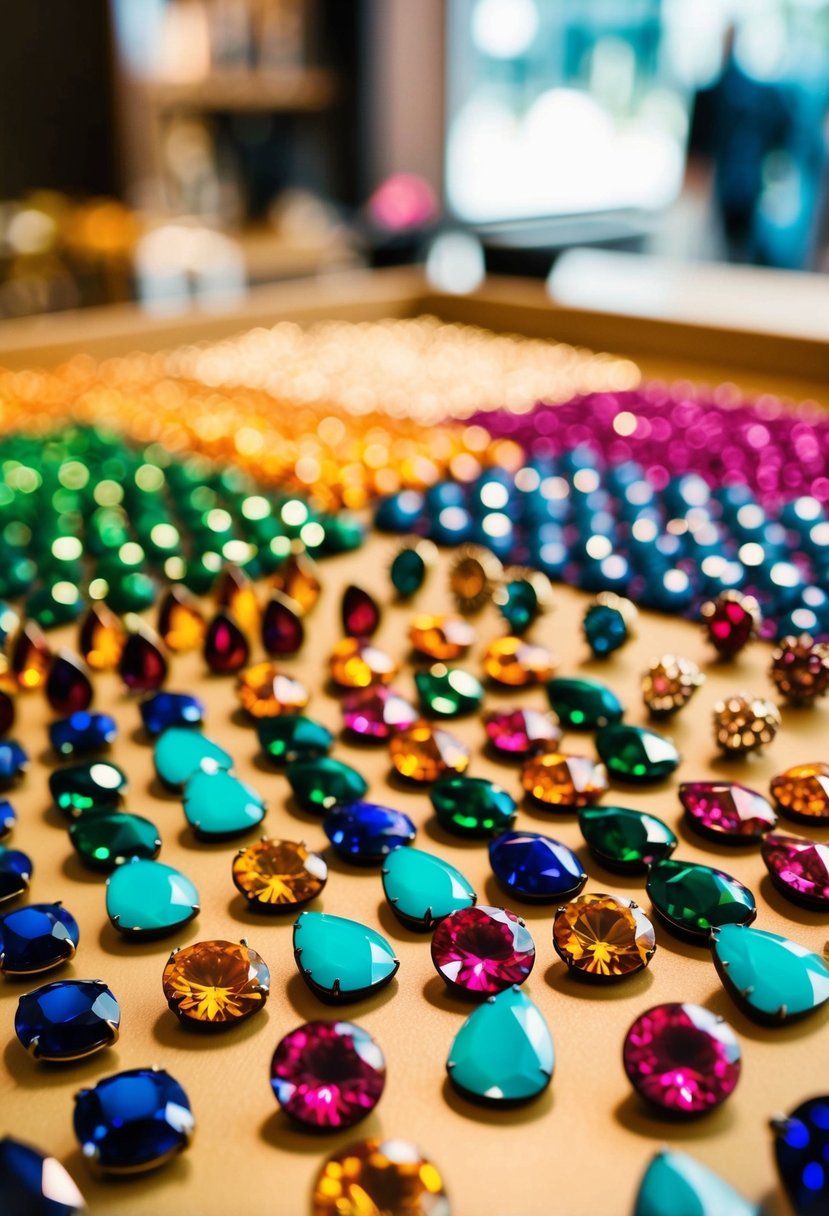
(473, 576)
(298, 579)
(516, 663)
(278, 874)
(606, 936)
(441, 637)
(181, 622)
(802, 792)
(101, 637)
(424, 752)
(235, 593)
(374, 1178)
(30, 657)
(265, 692)
(216, 982)
(570, 782)
(356, 663)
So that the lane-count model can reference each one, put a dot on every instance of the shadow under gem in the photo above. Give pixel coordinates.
(280, 1132)
(170, 1032)
(311, 1008)
(28, 1073)
(560, 979)
(634, 1115)
(500, 1113)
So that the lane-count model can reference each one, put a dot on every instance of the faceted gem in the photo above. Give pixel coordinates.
(359, 612)
(278, 875)
(67, 1020)
(8, 711)
(30, 657)
(147, 898)
(218, 805)
(68, 686)
(14, 760)
(321, 784)
(536, 868)
(607, 624)
(95, 785)
(282, 629)
(731, 621)
(503, 1053)
(35, 938)
(800, 669)
(726, 811)
(473, 576)
(769, 977)
(514, 663)
(165, 709)
(522, 597)
(482, 950)
(799, 868)
(410, 566)
(692, 899)
(517, 732)
(603, 937)
(341, 960)
(291, 737)
(422, 888)
(583, 704)
(472, 806)
(634, 753)
(669, 683)
(142, 666)
(8, 818)
(328, 1075)
(391, 1175)
(801, 1148)
(744, 723)
(215, 983)
(376, 713)
(441, 637)
(357, 663)
(235, 595)
(297, 578)
(802, 793)
(133, 1121)
(226, 649)
(568, 782)
(365, 833)
(32, 1184)
(424, 752)
(675, 1183)
(82, 732)
(265, 692)
(179, 752)
(181, 623)
(625, 840)
(103, 839)
(448, 692)
(682, 1058)
(101, 637)
(130, 591)
(15, 872)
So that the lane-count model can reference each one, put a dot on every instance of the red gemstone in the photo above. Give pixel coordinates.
(517, 732)
(359, 612)
(226, 648)
(282, 629)
(328, 1075)
(483, 950)
(682, 1058)
(799, 868)
(68, 686)
(731, 621)
(377, 713)
(727, 811)
(142, 666)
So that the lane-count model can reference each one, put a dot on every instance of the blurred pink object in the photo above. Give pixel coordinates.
(403, 201)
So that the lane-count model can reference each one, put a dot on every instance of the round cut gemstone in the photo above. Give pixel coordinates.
(328, 1075)
(358, 663)
(101, 637)
(181, 623)
(180, 752)
(422, 888)
(682, 1058)
(535, 867)
(801, 1148)
(218, 805)
(423, 752)
(603, 937)
(389, 1175)
(731, 621)
(215, 983)
(68, 686)
(104, 839)
(359, 612)
(472, 806)
(583, 704)
(82, 732)
(377, 713)
(225, 649)
(473, 576)
(323, 783)
(94, 785)
(634, 753)
(568, 782)
(32, 1184)
(692, 899)
(802, 793)
(441, 637)
(278, 875)
(482, 950)
(675, 1182)
(15, 871)
(517, 732)
(726, 811)
(14, 760)
(133, 1121)
(799, 868)
(769, 977)
(142, 665)
(365, 833)
(147, 898)
(297, 578)
(67, 1020)
(514, 663)
(283, 632)
(290, 737)
(503, 1053)
(37, 938)
(266, 692)
(605, 629)
(165, 709)
(448, 692)
(339, 959)
(625, 840)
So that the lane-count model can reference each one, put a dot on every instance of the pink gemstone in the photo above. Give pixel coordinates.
(516, 732)
(682, 1058)
(727, 811)
(799, 868)
(730, 627)
(377, 712)
(328, 1075)
(483, 950)
(359, 612)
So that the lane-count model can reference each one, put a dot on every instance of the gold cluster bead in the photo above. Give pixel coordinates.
(744, 723)
(669, 683)
(800, 669)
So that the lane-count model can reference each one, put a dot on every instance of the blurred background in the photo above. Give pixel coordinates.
(179, 151)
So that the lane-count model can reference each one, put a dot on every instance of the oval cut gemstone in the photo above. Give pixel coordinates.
(147, 898)
(603, 937)
(692, 899)
(14, 760)
(328, 1075)
(181, 623)
(605, 629)
(266, 692)
(341, 960)
(358, 663)
(142, 665)
(441, 637)
(472, 806)
(365, 833)
(37, 937)
(517, 732)
(15, 872)
(448, 692)
(278, 875)
(801, 1148)
(473, 575)
(563, 781)
(165, 709)
(682, 1058)
(68, 686)
(726, 811)
(410, 566)
(323, 783)
(391, 1175)
(82, 732)
(515, 663)
(103, 839)
(634, 753)
(30, 657)
(769, 977)
(359, 612)
(422, 888)
(94, 785)
(423, 752)
(218, 805)
(181, 752)
(536, 868)
(32, 1184)
(482, 950)
(802, 793)
(624, 839)
(675, 1182)
(8, 818)
(133, 1121)
(291, 737)
(521, 598)
(282, 629)
(376, 713)
(226, 649)
(583, 704)
(215, 983)
(101, 637)
(67, 1020)
(503, 1052)
(799, 868)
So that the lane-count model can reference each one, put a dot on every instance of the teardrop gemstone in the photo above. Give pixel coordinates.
(36, 1185)
(692, 899)
(482, 950)
(68, 686)
(341, 960)
(636, 754)
(376, 713)
(423, 752)
(226, 648)
(536, 868)
(472, 806)
(770, 978)
(448, 692)
(799, 869)
(422, 888)
(503, 1053)
(365, 833)
(235, 595)
(291, 737)
(101, 637)
(801, 1148)
(323, 783)
(166, 709)
(180, 752)
(149, 899)
(675, 1183)
(410, 566)
(563, 781)
(181, 623)
(95, 785)
(359, 612)
(802, 793)
(298, 578)
(282, 629)
(583, 704)
(15, 872)
(517, 732)
(278, 875)
(30, 657)
(725, 811)
(218, 805)
(266, 692)
(142, 665)
(682, 1058)
(82, 732)
(104, 839)
(625, 840)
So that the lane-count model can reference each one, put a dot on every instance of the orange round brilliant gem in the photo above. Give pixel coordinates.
(424, 752)
(374, 1178)
(441, 637)
(473, 576)
(278, 874)
(265, 692)
(603, 936)
(356, 663)
(802, 792)
(516, 663)
(570, 782)
(214, 983)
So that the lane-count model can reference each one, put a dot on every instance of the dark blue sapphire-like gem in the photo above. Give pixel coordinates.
(166, 709)
(8, 818)
(399, 512)
(13, 760)
(536, 867)
(82, 732)
(32, 1184)
(132, 1121)
(36, 938)
(364, 833)
(15, 872)
(605, 629)
(801, 1147)
(67, 1020)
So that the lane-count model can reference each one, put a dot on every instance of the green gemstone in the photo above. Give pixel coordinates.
(503, 1052)
(323, 783)
(472, 806)
(448, 692)
(692, 899)
(625, 840)
(341, 533)
(199, 573)
(518, 604)
(422, 888)
(408, 572)
(341, 960)
(291, 737)
(771, 978)
(17, 576)
(675, 1184)
(130, 592)
(79, 788)
(637, 754)
(180, 752)
(218, 805)
(583, 704)
(103, 839)
(55, 605)
(149, 898)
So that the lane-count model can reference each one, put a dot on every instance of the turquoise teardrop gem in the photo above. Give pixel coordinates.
(180, 752)
(147, 898)
(769, 977)
(341, 960)
(503, 1052)
(422, 888)
(583, 704)
(635, 753)
(675, 1184)
(218, 805)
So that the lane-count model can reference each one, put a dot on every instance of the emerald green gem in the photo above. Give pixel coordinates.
(217, 805)
(17, 577)
(149, 898)
(771, 978)
(503, 1052)
(55, 605)
(323, 783)
(583, 704)
(132, 592)
(103, 839)
(199, 573)
(693, 899)
(180, 752)
(448, 692)
(341, 960)
(341, 533)
(291, 737)
(96, 785)
(624, 839)
(518, 604)
(677, 1185)
(472, 806)
(422, 888)
(635, 753)
(408, 572)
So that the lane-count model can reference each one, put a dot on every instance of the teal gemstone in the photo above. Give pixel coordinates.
(408, 570)
(422, 888)
(147, 898)
(518, 604)
(341, 533)
(503, 1052)
(583, 704)
(291, 737)
(675, 1184)
(130, 592)
(472, 806)
(636, 754)
(218, 805)
(55, 605)
(104, 839)
(95, 785)
(448, 692)
(625, 840)
(180, 752)
(321, 784)
(341, 960)
(771, 978)
(693, 899)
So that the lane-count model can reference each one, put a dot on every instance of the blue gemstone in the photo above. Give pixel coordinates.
(32, 1184)
(802, 1151)
(536, 867)
(365, 833)
(15, 872)
(8, 818)
(165, 709)
(35, 938)
(13, 760)
(399, 512)
(605, 629)
(82, 732)
(133, 1121)
(67, 1020)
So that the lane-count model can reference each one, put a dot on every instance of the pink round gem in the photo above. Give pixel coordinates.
(682, 1058)
(724, 809)
(328, 1075)
(516, 732)
(799, 868)
(483, 950)
(377, 713)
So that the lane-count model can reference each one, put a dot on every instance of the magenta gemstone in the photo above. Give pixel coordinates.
(481, 951)
(359, 612)
(726, 811)
(328, 1075)
(377, 713)
(730, 627)
(799, 868)
(282, 630)
(517, 732)
(682, 1058)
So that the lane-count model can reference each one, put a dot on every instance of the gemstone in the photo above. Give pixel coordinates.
(67, 1020)
(358, 663)
(323, 783)
(802, 793)
(634, 753)
(103, 839)
(682, 1058)
(278, 875)
(514, 663)
(101, 637)
(180, 752)
(93, 785)
(376, 713)
(744, 723)
(142, 666)
(731, 621)
(30, 657)
(675, 1184)
(560, 780)
(14, 760)
(328, 1075)
(359, 612)
(365, 833)
(215, 983)
(800, 669)
(536, 868)
(726, 811)
(235, 595)
(410, 566)
(165, 709)
(517, 732)
(482, 950)
(218, 805)
(68, 686)
(265, 692)
(441, 637)
(8, 818)
(605, 625)
(503, 1052)
(801, 1149)
(82, 732)
(423, 752)
(339, 959)
(473, 576)
(521, 597)
(181, 623)
(799, 869)
(282, 629)
(669, 683)
(472, 806)
(448, 692)
(8, 711)
(603, 937)
(422, 888)
(15, 871)
(133, 1121)
(769, 977)
(390, 1175)
(226, 648)
(297, 578)
(624, 839)
(147, 898)
(32, 1184)
(692, 899)
(291, 737)
(583, 704)
(35, 938)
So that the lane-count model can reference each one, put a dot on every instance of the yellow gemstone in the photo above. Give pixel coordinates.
(557, 779)
(424, 752)
(215, 982)
(441, 637)
(515, 663)
(266, 692)
(298, 579)
(605, 936)
(235, 593)
(803, 791)
(374, 1178)
(357, 663)
(279, 874)
(101, 637)
(181, 622)
(473, 576)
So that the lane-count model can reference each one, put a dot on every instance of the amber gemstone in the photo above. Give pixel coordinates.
(282, 630)
(559, 780)
(68, 686)
(669, 683)
(298, 579)
(359, 612)
(802, 793)
(30, 657)
(215, 983)
(101, 637)
(515, 663)
(181, 622)
(265, 692)
(142, 665)
(226, 648)
(744, 723)
(441, 637)
(473, 576)
(278, 875)
(379, 1178)
(424, 752)
(603, 936)
(235, 594)
(800, 669)
(357, 663)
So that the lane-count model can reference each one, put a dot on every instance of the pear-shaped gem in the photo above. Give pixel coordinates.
(30, 657)
(625, 840)
(297, 578)
(514, 662)
(180, 752)
(472, 806)
(142, 665)
(15, 871)
(103, 839)
(358, 663)
(291, 737)
(377, 713)
(181, 622)
(341, 960)
(323, 783)
(423, 752)
(235, 594)
(282, 629)
(101, 637)
(563, 781)
(514, 733)
(635, 753)
(448, 692)
(37, 1184)
(503, 1052)
(675, 1184)
(226, 648)
(522, 597)
(422, 888)
(726, 812)
(410, 566)
(94, 786)
(692, 899)
(68, 686)
(583, 704)
(147, 898)
(359, 612)
(769, 977)
(802, 793)
(799, 868)
(365, 833)
(536, 868)
(218, 805)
